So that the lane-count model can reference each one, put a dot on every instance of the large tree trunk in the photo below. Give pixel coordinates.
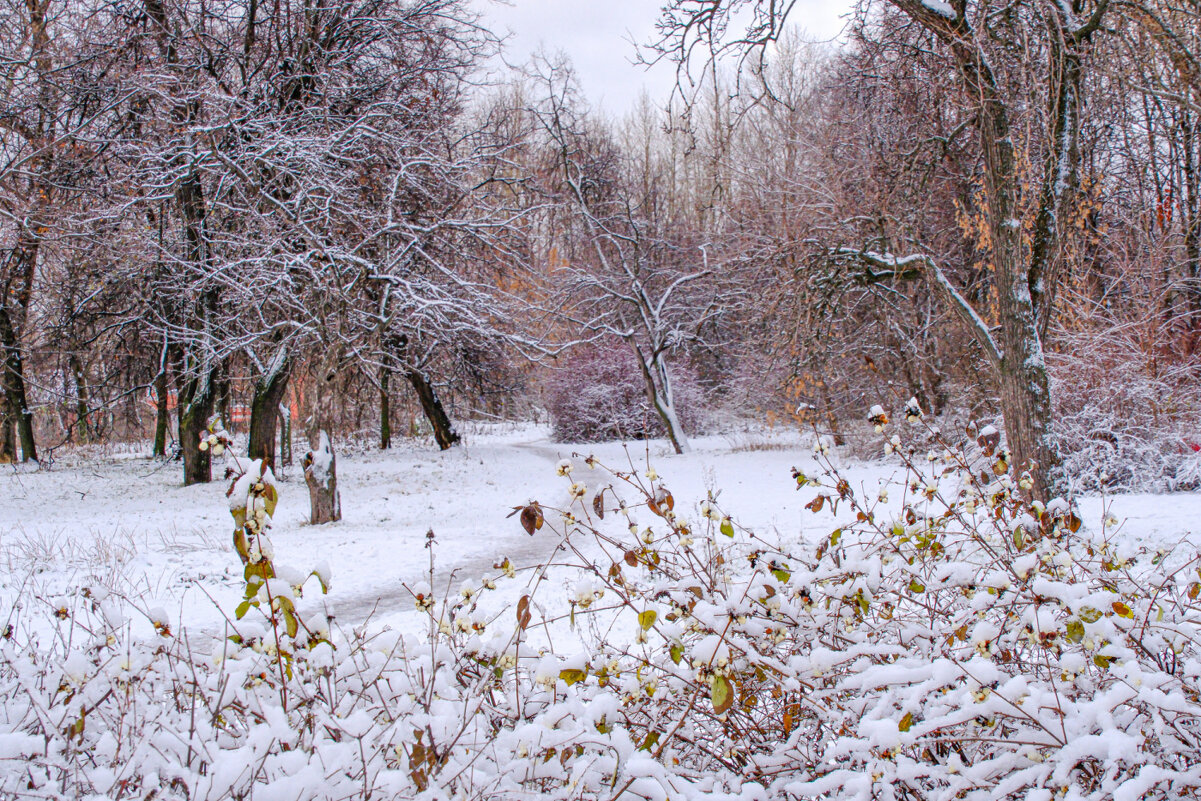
(444, 431)
(385, 410)
(196, 399)
(321, 476)
(1025, 282)
(18, 414)
(264, 409)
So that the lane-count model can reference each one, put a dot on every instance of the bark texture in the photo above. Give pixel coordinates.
(264, 408)
(444, 431)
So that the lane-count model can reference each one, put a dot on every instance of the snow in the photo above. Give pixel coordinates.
(125, 523)
(939, 7)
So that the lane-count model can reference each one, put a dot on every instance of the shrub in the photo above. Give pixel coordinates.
(599, 394)
(950, 638)
(1127, 421)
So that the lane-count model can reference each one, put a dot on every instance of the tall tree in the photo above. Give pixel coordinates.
(1024, 228)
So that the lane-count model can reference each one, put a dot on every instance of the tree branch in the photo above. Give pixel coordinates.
(879, 267)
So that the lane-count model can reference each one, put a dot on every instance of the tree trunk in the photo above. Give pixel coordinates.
(1026, 407)
(385, 410)
(196, 399)
(264, 409)
(8, 432)
(444, 431)
(661, 397)
(162, 415)
(285, 434)
(321, 476)
(81, 399)
(19, 415)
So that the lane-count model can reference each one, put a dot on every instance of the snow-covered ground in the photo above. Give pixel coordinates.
(126, 522)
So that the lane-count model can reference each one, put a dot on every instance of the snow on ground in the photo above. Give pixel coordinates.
(126, 522)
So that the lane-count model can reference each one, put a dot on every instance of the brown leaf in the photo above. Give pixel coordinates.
(531, 518)
(598, 504)
(523, 612)
(816, 504)
(631, 559)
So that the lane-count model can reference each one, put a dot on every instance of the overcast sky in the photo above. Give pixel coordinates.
(597, 36)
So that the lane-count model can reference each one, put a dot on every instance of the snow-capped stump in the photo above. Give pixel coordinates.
(321, 474)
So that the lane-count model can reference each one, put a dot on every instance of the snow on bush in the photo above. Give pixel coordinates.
(599, 394)
(948, 638)
(1127, 421)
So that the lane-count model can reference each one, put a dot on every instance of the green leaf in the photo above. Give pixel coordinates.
(321, 581)
(835, 536)
(727, 527)
(270, 499)
(1090, 615)
(572, 675)
(916, 587)
(652, 739)
(677, 653)
(906, 722)
(1019, 538)
(1075, 631)
(243, 608)
(721, 692)
(782, 575)
(647, 619)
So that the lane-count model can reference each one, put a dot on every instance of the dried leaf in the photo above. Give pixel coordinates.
(523, 612)
(531, 518)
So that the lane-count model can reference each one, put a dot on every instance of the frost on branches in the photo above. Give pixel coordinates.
(949, 639)
(599, 394)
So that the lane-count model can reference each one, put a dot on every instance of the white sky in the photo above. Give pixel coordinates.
(597, 34)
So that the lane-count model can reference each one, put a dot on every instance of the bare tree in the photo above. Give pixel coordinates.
(1024, 237)
(642, 279)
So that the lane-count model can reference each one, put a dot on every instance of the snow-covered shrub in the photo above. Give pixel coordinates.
(956, 640)
(1126, 420)
(599, 394)
(946, 637)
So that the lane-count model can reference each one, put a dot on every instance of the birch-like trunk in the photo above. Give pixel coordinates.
(659, 392)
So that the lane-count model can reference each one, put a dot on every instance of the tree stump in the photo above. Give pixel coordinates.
(321, 474)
